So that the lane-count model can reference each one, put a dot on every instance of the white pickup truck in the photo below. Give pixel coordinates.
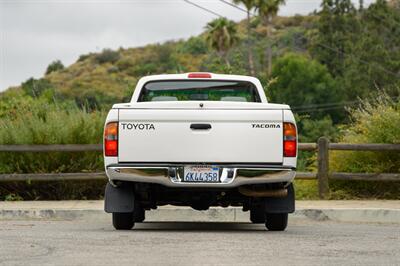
(200, 140)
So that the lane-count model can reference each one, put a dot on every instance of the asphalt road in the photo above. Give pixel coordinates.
(96, 243)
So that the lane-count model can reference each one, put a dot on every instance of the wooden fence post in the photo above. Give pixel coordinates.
(323, 167)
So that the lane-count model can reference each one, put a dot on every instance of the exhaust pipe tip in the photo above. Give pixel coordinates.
(263, 193)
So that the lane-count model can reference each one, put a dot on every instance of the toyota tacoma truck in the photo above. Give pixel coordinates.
(200, 140)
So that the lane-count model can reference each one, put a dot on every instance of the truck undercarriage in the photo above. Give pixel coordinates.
(130, 200)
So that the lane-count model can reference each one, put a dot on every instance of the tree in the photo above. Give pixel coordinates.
(54, 66)
(307, 86)
(267, 10)
(374, 58)
(361, 50)
(249, 4)
(337, 30)
(222, 36)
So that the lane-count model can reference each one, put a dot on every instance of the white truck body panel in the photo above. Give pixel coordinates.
(234, 136)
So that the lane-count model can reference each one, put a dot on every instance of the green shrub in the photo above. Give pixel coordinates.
(311, 130)
(376, 121)
(306, 189)
(57, 190)
(83, 57)
(113, 69)
(125, 63)
(42, 123)
(107, 56)
(28, 121)
(54, 66)
(143, 69)
(35, 87)
(194, 46)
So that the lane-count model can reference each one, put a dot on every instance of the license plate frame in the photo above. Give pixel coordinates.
(201, 174)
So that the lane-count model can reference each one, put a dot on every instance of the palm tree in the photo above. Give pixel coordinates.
(267, 10)
(249, 4)
(222, 36)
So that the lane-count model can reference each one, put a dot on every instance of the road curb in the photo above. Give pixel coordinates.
(391, 216)
(183, 214)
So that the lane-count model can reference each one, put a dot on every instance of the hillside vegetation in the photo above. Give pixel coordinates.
(110, 76)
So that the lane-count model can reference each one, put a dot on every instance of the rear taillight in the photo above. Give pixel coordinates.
(289, 140)
(111, 139)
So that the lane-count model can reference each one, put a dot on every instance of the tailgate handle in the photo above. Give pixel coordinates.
(200, 126)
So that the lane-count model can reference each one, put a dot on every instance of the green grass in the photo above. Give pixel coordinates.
(60, 190)
(306, 189)
(27, 121)
(349, 190)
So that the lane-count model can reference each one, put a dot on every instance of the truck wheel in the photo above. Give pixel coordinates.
(138, 213)
(123, 220)
(276, 221)
(257, 215)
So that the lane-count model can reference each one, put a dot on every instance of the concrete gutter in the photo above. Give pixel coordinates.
(340, 211)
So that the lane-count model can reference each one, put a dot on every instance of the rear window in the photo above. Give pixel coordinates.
(199, 90)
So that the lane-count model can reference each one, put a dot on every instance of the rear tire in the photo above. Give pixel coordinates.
(257, 215)
(138, 213)
(276, 221)
(123, 220)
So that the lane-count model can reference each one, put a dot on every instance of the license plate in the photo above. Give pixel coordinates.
(201, 173)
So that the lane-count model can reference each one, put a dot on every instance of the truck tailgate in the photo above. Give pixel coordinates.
(167, 135)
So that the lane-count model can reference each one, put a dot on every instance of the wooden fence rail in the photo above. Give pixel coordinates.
(52, 148)
(322, 147)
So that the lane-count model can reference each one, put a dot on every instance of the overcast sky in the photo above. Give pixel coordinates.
(35, 32)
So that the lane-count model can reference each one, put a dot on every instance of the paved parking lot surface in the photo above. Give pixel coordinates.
(169, 243)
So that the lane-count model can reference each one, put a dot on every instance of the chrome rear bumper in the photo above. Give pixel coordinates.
(170, 175)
